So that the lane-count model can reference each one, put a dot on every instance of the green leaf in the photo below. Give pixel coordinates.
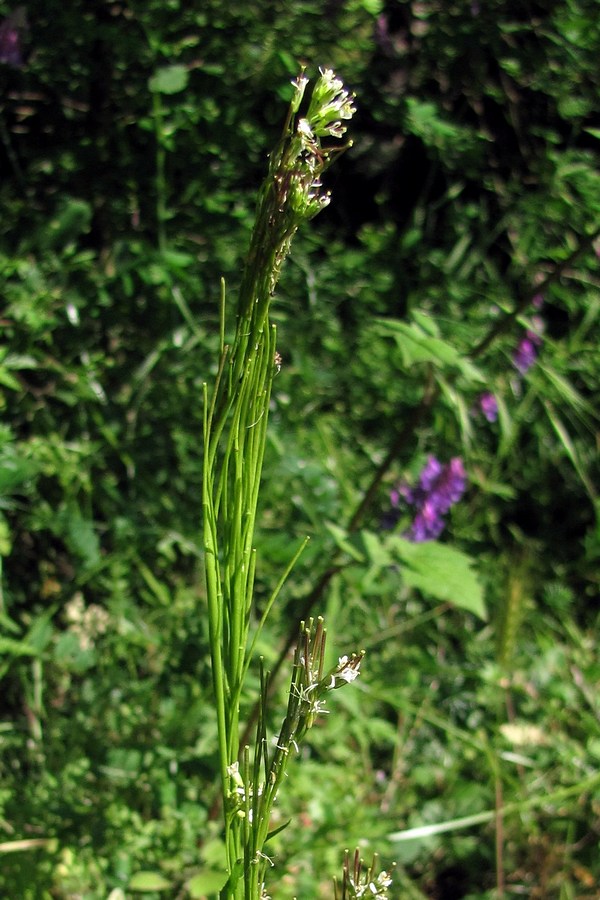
(149, 881)
(442, 572)
(83, 539)
(169, 80)
(277, 830)
(376, 551)
(570, 449)
(159, 590)
(341, 539)
(11, 647)
(206, 882)
(373, 7)
(417, 345)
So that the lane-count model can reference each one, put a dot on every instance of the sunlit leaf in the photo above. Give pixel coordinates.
(149, 881)
(206, 882)
(169, 80)
(442, 572)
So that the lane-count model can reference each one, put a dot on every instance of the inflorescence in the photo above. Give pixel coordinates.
(438, 488)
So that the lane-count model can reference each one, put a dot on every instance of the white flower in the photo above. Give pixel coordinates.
(347, 671)
(299, 85)
(330, 103)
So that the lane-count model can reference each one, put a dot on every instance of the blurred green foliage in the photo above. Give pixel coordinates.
(133, 140)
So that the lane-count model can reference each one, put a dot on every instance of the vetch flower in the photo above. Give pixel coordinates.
(525, 355)
(488, 406)
(526, 351)
(438, 488)
(10, 38)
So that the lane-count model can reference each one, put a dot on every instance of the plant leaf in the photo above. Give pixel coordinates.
(206, 882)
(442, 572)
(169, 80)
(419, 346)
(149, 881)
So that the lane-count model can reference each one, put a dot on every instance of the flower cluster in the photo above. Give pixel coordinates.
(438, 488)
(330, 105)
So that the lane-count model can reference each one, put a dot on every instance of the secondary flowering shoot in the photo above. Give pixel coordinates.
(361, 881)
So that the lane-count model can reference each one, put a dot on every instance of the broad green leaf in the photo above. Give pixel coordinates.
(83, 538)
(206, 882)
(175, 259)
(14, 471)
(8, 380)
(376, 551)
(419, 346)
(373, 7)
(41, 630)
(426, 322)
(149, 881)
(169, 80)
(442, 572)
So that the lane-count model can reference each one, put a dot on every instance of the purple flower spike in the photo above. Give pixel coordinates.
(438, 488)
(489, 406)
(525, 355)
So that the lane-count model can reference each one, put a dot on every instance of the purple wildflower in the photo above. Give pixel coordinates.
(525, 355)
(382, 34)
(430, 473)
(489, 406)
(438, 488)
(427, 524)
(10, 38)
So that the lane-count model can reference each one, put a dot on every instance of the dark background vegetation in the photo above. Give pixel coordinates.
(134, 137)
